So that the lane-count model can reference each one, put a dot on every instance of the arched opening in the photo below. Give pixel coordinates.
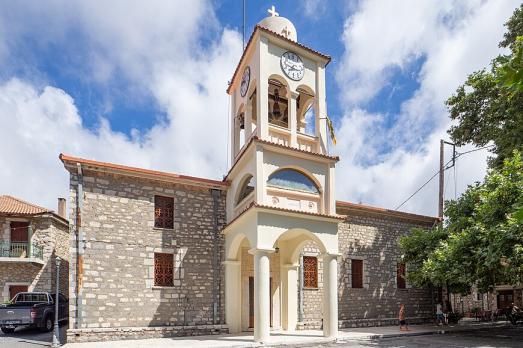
(301, 276)
(239, 127)
(292, 189)
(245, 189)
(278, 107)
(253, 110)
(306, 111)
(292, 179)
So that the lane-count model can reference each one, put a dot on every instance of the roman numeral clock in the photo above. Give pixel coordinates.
(292, 65)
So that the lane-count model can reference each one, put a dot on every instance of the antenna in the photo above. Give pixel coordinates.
(243, 26)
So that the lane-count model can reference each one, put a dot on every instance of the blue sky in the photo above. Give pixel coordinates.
(143, 83)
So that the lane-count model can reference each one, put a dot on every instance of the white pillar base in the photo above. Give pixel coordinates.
(330, 295)
(261, 295)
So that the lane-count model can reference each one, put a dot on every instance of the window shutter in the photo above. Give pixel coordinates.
(357, 273)
(400, 276)
(19, 231)
(163, 212)
(163, 269)
(310, 272)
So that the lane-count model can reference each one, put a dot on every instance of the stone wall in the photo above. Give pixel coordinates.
(120, 242)
(374, 239)
(312, 298)
(50, 233)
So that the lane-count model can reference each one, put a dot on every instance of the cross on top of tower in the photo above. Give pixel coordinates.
(272, 11)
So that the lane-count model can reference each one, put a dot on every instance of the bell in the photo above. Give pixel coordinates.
(241, 120)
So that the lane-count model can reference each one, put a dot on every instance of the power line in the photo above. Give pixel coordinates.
(458, 154)
(422, 186)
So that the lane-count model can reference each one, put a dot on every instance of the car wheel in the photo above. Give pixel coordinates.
(48, 324)
(7, 330)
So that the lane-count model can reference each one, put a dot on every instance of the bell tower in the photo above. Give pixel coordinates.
(281, 181)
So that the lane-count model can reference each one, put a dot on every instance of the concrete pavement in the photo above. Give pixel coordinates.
(306, 337)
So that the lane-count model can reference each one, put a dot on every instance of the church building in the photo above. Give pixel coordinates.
(268, 248)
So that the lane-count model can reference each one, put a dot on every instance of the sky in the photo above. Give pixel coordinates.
(143, 83)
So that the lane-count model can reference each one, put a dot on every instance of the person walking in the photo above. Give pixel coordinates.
(401, 317)
(439, 314)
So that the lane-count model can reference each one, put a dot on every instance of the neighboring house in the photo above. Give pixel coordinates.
(30, 239)
(502, 297)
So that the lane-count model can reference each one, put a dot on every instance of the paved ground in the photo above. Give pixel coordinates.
(502, 337)
(29, 338)
(357, 337)
(484, 336)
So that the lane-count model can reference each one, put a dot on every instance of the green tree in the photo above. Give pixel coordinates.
(488, 107)
(481, 242)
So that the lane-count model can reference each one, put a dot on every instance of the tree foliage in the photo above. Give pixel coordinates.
(480, 243)
(488, 107)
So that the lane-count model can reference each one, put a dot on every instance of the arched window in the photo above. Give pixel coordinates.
(293, 180)
(246, 188)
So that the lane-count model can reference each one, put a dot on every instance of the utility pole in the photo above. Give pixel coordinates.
(446, 305)
(442, 169)
(441, 177)
(56, 331)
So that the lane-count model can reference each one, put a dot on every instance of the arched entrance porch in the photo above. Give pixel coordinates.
(275, 271)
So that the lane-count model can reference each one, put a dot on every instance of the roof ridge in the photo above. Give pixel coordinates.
(140, 170)
(25, 202)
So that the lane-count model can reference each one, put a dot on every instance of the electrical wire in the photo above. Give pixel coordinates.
(445, 167)
(422, 186)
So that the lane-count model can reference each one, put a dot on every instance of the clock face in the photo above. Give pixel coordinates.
(292, 66)
(246, 78)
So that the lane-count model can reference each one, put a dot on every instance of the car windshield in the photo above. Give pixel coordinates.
(27, 297)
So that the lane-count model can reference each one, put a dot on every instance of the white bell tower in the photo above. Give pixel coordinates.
(281, 192)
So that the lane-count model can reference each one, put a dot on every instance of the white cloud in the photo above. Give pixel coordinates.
(157, 49)
(454, 38)
(314, 8)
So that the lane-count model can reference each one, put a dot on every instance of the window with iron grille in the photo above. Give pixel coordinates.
(400, 276)
(163, 269)
(310, 272)
(357, 273)
(163, 212)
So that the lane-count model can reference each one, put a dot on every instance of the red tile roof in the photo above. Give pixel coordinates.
(14, 206)
(279, 36)
(388, 212)
(147, 172)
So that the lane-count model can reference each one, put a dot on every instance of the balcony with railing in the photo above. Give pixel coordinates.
(21, 252)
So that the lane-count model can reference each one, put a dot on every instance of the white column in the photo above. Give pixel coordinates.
(321, 108)
(330, 295)
(293, 118)
(233, 295)
(262, 89)
(289, 274)
(262, 319)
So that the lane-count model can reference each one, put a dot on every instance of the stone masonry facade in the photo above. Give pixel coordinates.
(118, 295)
(51, 233)
(373, 239)
(120, 301)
